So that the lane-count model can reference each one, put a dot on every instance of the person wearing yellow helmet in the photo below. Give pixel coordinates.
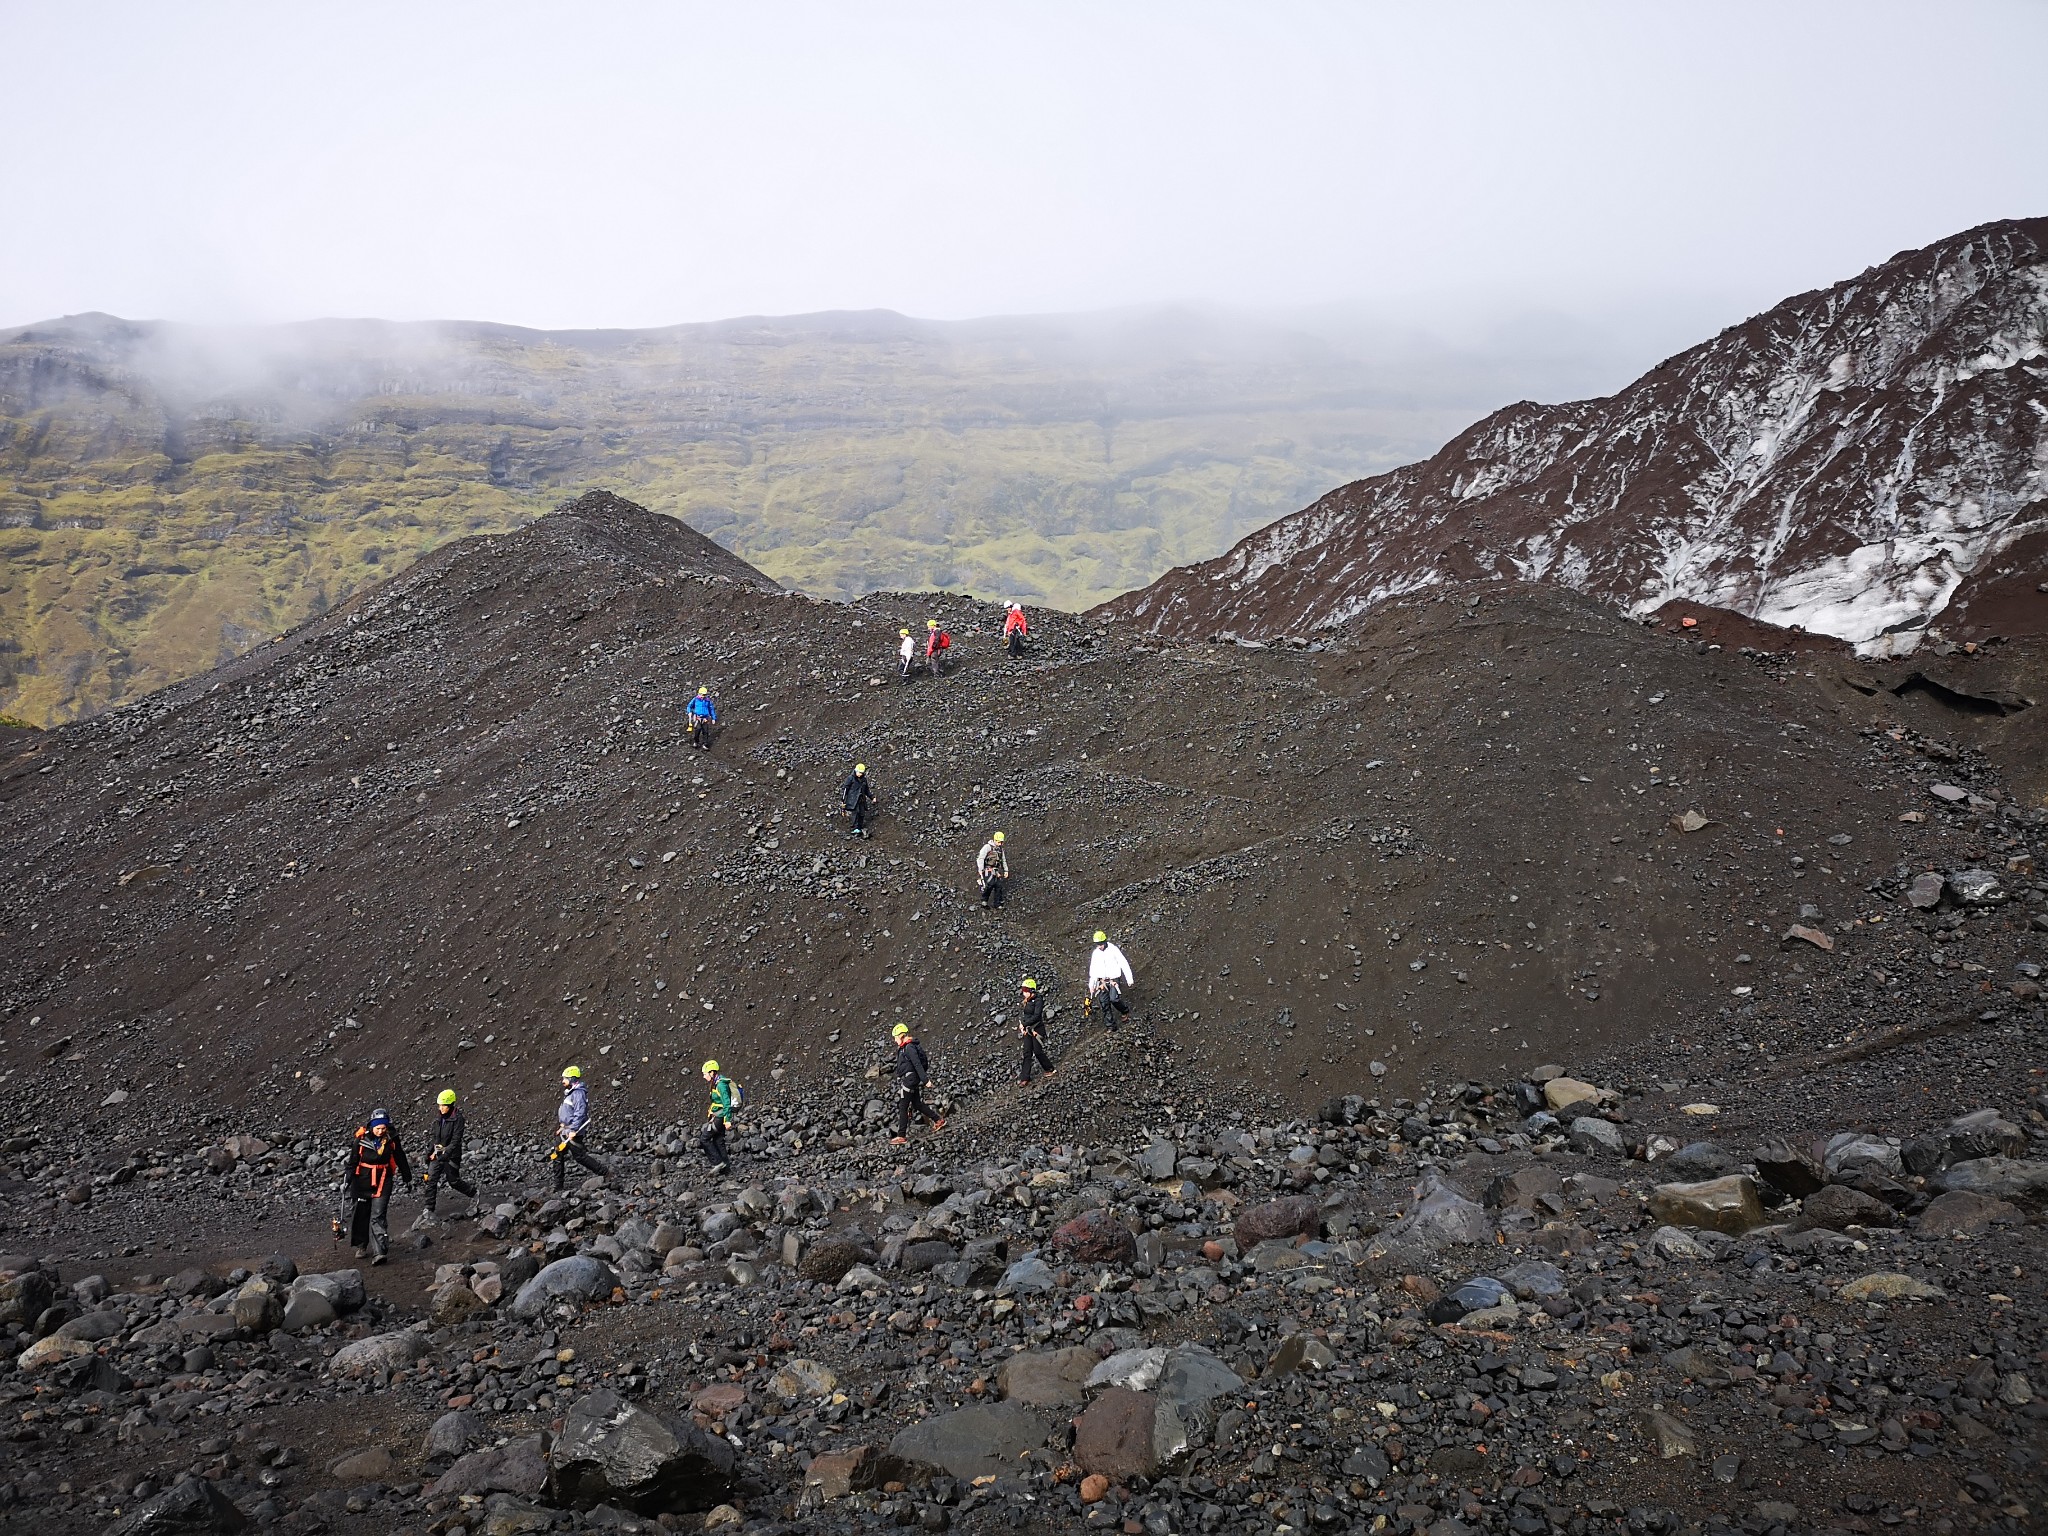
(1109, 973)
(444, 1163)
(858, 796)
(719, 1118)
(702, 712)
(572, 1119)
(906, 649)
(1031, 1025)
(992, 869)
(936, 644)
(913, 1072)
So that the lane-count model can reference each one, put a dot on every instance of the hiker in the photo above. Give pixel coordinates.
(858, 796)
(703, 713)
(936, 643)
(913, 1072)
(572, 1119)
(1108, 974)
(992, 869)
(725, 1104)
(907, 649)
(372, 1158)
(1031, 1025)
(444, 1163)
(1016, 630)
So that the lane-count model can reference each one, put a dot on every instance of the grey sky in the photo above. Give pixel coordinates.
(641, 164)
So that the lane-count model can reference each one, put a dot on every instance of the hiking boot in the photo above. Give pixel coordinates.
(899, 1141)
(939, 1124)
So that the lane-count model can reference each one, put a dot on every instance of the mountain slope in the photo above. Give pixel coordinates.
(1849, 462)
(449, 830)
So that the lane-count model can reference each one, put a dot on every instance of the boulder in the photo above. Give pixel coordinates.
(830, 1257)
(1977, 888)
(1562, 1093)
(611, 1451)
(1188, 1375)
(579, 1278)
(194, 1505)
(1696, 1160)
(1668, 1435)
(1853, 1151)
(1728, 1204)
(50, 1351)
(835, 1474)
(1274, 1220)
(1125, 1435)
(799, 1379)
(917, 1258)
(374, 1465)
(1838, 1207)
(1964, 1211)
(1525, 1187)
(516, 1269)
(1095, 1237)
(342, 1288)
(518, 1467)
(1440, 1215)
(1300, 1352)
(1047, 1378)
(2002, 1178)
(1889, 1287)
(1985, 1133)
(1925, 890)
(258, 1307)
(25, 1298)
(93, 1327)
(456, 1302)
(1158, 1160)
(379, 1353)
(986, 1440)
(307, 1310)
(1789, 1170)
(1590, 1134)
(1027, 1276)
(453, 1434)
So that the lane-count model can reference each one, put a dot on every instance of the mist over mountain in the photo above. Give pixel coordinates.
(172, 493)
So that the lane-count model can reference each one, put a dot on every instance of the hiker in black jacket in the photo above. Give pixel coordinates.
(444, 1163)
(913, 1071)
(858, 796)
(1031, 1025)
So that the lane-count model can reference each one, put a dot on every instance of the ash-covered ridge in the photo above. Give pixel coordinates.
(1854, 462)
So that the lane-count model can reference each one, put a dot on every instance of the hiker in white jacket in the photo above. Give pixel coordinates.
(907, 649)
(1108, 974)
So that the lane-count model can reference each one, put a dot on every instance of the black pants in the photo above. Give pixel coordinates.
(711, 1140)
(353, 1195)
(1110, 1006)
(448, 1171)
(1034, 1050)
(700, 732)
(859, 813)
(1017, 643)
(573, 1147)
(992, 891)
(910, 1102)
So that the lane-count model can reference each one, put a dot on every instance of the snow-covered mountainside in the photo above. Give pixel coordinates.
(1854, 461)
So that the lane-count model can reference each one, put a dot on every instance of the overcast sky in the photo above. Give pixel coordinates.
(643, 164)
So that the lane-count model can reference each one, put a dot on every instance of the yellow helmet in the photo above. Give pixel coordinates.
(1030, 983)
(997, 838)
(900, 1032)
(447, 1098)
(1101, 937)
(931, 623)
(860, 767)
(703, 693)
(904, 633)
(568, 1072)
(710, 1067)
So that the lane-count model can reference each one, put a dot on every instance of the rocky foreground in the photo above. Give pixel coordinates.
(1549, 1305)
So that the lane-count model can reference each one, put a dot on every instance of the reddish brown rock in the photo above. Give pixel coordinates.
(1289, 1216)
(1095, 1237)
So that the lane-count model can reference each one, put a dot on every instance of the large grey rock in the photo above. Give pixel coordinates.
(1027, 1276)
(578, 1278)
(1852, 1152)
(93, 1327)
(24, 1298)
(1189, 1375)
(1696, 1160)
(1054, 1378)
(518, 1467)
(2003, 1178)
(454, 1434)
(1441, 1215)
(1964, 1211)
(986, 1440)
(378, 1353)
(1728, 1204)
(1590, 1134)
(1925, 890)
(194, 1505)
(307, 1310)
(1984, 1133)
(1977, 888)
(611, 1451)
(342, 1288)
(1838, 1207)
(1158, 1160)
(258, 1307)
(1788, 1169)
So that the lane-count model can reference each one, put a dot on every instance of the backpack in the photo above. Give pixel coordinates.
(739, 1095)
(945, 641)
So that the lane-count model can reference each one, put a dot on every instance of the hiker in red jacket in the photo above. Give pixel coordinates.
(936, 643)
(1016, 630)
